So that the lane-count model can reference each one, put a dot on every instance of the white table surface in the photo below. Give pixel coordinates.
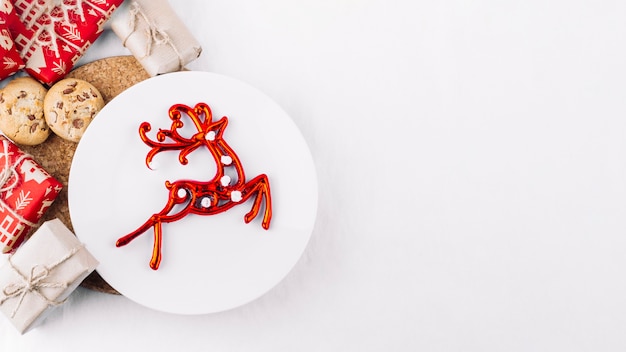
(471, 159)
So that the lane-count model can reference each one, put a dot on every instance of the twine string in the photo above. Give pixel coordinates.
(155, 35)
(34, 281)
(9, 173)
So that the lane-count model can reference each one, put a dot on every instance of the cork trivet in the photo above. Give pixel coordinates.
(110, 76)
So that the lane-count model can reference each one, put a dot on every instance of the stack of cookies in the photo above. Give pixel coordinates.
(29, 111)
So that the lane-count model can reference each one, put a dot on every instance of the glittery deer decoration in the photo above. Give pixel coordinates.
(203, 198)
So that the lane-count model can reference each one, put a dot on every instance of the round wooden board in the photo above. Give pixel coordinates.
(110, 76)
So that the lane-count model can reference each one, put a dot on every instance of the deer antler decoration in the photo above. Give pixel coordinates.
(215, 196)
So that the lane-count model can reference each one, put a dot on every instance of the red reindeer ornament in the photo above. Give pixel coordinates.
(215, 196)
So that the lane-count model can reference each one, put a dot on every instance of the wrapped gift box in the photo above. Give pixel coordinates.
(42, 273)
(155, 35)
(57, 32)
(11, 60)
(9, 22)
(26, 192)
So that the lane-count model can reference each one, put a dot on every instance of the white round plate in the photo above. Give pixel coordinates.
(209, 263)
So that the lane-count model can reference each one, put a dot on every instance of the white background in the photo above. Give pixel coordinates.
(471, 158)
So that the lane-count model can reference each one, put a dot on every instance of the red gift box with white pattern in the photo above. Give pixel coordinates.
(11, 59)
(26, 193)
(57, 33)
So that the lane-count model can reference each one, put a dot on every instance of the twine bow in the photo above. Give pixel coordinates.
(155, 35)
(8, 172)
(34, 282)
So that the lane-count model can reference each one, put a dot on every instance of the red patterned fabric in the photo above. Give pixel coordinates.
(57, 32)
(9, 22)
(26, 193)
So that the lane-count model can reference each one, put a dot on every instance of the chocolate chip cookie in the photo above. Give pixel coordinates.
(70, 106)
(21, 111)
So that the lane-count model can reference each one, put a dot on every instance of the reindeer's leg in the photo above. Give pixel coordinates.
(154, 220)
(267, 215)
(164, 217)
(261, 188)
(122, 241)
(156, 248)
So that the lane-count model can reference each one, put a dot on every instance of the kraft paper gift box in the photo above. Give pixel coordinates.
(26, 192)
(155, 35)
(42, 273)
(56, 33)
